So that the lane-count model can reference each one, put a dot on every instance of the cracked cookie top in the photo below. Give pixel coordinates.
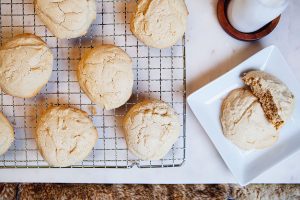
(25, 66)
(151, 128)
(244, 122)
(159, 23)
(105, 75)
(6, 134)
(65, 136)
(66, 18)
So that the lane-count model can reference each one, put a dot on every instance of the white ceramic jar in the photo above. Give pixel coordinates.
(251, 15)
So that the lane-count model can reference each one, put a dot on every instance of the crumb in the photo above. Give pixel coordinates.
(93, 110)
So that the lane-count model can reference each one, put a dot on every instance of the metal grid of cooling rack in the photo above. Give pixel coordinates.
(158, 74)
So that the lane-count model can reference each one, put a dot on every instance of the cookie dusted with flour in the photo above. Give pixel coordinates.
(25, 66)
(277, 101)
(65, 136)
(151, 128)
(159, 23)
(6, 134)
(244, 121)
(66, 18)
(105, 75)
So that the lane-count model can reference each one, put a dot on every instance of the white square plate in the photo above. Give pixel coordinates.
(206, 104)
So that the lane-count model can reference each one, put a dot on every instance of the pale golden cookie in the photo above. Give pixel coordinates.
(25, 66)
(244, 121)
(67, 18)
(159, 23)
(277, 100)
(65, 136)
(105, 75)
(6, 134)
(151, 128)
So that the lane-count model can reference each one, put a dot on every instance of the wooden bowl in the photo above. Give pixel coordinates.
(223, 20)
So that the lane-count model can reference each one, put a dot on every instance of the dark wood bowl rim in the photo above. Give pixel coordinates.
(228, 28)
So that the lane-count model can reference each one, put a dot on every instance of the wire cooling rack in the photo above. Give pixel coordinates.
(158, 74)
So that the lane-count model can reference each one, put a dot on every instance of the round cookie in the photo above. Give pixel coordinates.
(244, 122)
(105, 75)
(6, 134)
(159, 23)
(25, 66)
(277, 100)
(65, 136)
(66, 18)
(151, 128)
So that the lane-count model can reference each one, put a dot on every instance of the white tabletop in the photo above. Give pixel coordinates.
(210, 53)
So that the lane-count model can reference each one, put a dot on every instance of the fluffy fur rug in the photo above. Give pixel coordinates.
(145, 192)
